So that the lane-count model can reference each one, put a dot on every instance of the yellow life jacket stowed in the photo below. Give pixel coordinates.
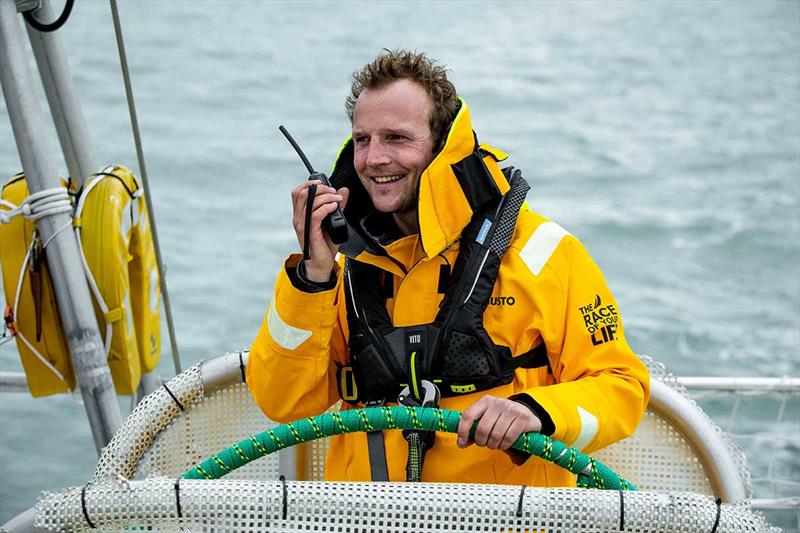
(117, 250)
(31, 305)
(117, 247)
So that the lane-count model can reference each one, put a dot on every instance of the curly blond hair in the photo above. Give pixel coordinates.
(393, 65)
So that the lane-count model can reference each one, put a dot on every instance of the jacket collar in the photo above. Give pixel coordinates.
(461, 177)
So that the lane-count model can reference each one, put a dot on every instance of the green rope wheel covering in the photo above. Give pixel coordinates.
(591, 474)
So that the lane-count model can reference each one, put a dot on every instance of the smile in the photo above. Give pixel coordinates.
(386, 179)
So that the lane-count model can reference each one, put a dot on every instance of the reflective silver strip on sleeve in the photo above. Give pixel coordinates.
(541, 245)
(588, 429)
(286, 336)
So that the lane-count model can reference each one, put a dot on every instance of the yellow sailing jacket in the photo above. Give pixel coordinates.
(548, 289)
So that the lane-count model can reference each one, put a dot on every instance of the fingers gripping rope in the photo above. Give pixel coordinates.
(591, 473)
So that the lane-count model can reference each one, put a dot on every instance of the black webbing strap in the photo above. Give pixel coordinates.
(173, 397)
(719, 511)
(178, 497)
(312, 192)
(621, 511)
(241, 367)
(519, 502)
(379, 471)
(444, 278)
(535, 358)
(387, 286)
(285, 496)
(83, 507)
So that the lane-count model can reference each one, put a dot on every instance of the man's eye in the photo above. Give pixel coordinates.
(361, 139)
(395, 137)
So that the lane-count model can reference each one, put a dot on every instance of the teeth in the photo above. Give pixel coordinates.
(386, 179)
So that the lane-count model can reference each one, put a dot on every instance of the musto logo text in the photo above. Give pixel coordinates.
(600, 321)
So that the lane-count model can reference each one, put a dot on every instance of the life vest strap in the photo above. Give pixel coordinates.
(114, 315)
(444, 278)
(379, 471)
(536, 358)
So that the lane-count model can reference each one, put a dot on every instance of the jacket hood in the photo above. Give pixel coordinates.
(463, 176)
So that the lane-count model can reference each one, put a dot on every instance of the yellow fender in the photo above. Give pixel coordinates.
(44, 356)
(112, 227)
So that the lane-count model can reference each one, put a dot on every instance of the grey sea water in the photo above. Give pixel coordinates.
(663, 134)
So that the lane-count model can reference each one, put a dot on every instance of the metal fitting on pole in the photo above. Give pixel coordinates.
(69, 282)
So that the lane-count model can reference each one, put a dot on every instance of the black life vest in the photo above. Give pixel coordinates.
(454, 351)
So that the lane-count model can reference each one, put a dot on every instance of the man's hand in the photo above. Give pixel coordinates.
(501, 422)
(320, 248)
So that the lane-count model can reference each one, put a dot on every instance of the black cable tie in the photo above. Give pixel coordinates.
(173, 397)
(178, 496)
(83, 506)
(52, 26)
(716, 520)
(241, 367)
(519, 503)
(131, 193)
(285, 496)
(622, 510)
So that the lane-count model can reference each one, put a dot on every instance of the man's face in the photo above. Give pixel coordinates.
(393, 143)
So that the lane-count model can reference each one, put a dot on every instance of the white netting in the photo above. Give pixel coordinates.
(222, 419)
(657, 457)
(159, 439)
(238, 506)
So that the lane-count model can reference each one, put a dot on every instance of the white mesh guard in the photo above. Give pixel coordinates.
(159, 439)
(242, 505)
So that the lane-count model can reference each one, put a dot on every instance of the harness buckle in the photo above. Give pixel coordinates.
(430, 396)
(348, 388)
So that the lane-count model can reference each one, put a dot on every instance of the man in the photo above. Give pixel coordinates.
(446, 277)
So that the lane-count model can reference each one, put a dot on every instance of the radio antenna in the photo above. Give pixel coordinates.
(297, 149)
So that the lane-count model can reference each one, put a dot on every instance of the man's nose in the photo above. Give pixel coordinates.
(377, 154)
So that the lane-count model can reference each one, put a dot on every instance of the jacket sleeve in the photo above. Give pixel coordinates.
(601, 387)
(291, 371)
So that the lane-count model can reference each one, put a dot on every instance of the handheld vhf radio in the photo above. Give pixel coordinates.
(334, 224)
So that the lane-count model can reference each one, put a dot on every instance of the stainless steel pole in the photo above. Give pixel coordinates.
(71, 289)
(64, 104)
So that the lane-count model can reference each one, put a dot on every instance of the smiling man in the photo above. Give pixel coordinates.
(447, 286)
(393, 146)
